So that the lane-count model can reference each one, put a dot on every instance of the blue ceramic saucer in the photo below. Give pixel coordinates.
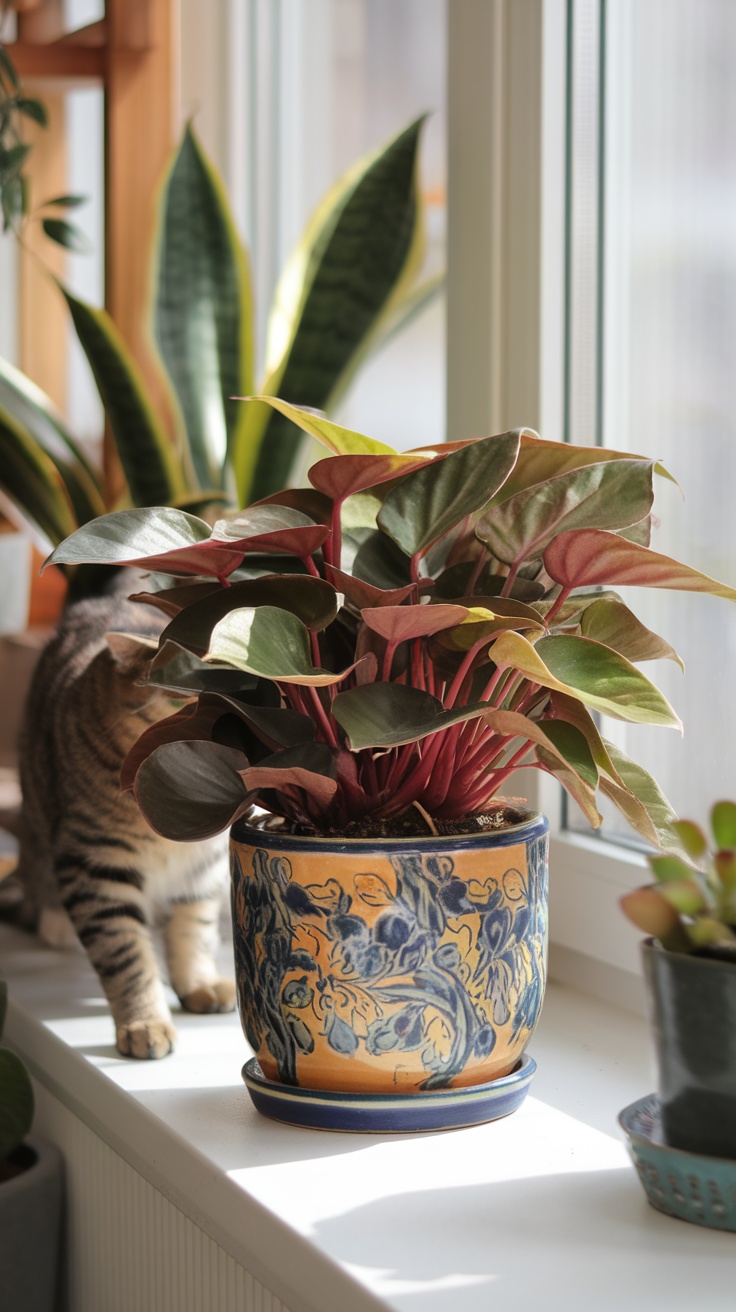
(378, 1113)
(688, 1185)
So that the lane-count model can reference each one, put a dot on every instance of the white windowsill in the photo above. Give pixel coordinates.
(542, 1209)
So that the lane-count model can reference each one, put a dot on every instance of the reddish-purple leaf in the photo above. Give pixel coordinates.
(363, 594)
(401, 623)
(311, 768)
(588, 556)
(340, 476)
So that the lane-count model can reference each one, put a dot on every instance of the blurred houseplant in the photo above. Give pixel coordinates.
(30, 1193)
(690, 972)
(352, 280)
(371, 662)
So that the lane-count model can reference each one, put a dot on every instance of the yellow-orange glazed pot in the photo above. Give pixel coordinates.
(390, 965)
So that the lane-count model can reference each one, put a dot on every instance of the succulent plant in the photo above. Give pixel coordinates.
(692, 906)
(406, 633)
(16, 1093)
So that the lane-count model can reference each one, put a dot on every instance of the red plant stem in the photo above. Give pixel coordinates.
(321, 716)
(316, 654)
(492, 682)
(477, 571)
(464, 668)
(310, 566)
(510, 579)
(388, 660)
(417, 664)
(333, 547)
(557, 604)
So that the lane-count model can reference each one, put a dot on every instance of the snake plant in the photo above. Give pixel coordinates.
(351, 281)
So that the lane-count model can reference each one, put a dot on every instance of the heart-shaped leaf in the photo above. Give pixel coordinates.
(611, 494)
(311, 768)
(343, 441)
(271, 643)
(181, 671)
(311, 599)
(613, 624)
(189, 791)
(426, 504)
(361, 594)
(391, 714)
(402, 623)
(594, 674)
(584, 557)
(563, 751)
(642, 802)
(341, 476)
(268, 527)
(487, 616)
(540, 459)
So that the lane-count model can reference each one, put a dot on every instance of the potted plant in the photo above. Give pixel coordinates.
(370, 660)
(30, 1193)
(690, 972)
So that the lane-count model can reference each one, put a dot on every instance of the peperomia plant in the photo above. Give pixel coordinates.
(692, 905)
(406, 633)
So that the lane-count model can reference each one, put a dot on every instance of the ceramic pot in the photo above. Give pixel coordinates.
(391, 965)
(30, 1226)
(693, 1013)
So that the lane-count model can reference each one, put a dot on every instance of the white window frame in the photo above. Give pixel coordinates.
(507, 133)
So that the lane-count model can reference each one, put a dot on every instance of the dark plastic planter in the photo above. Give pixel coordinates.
(693, 1012)
(30, 1230)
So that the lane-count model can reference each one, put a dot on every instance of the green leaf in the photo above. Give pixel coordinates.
(650, 911)
(269, 642)
(12, 160)
(669, 867)
(312, 600)
(183, 672)
(692, 838)
(67, 235)
(34, 109)
(641, 801)
(189, 791)
(37, 412)
(3, 1005)
(426, 504)
(360, 250)
(611, 494)
(343, 441)
(13, 202)
(541, 459)
(584, 557)
(16, 1102)
(149, 461)
(32, 481)
(123, 537)
(391, 714)
(203, 309)
(7, 68)
(561, 749)
(723, 824)
(610, 622)
(597, 676)
(65, 202)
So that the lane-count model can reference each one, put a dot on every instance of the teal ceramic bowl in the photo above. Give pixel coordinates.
(688, 1185)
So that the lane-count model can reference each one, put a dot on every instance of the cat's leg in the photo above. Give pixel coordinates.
(108, 910)
(191, 936)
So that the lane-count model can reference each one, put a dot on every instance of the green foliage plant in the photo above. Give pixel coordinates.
(16, 1093)
(16, 110)
(401, 637)
(352, 281)
(692, 905)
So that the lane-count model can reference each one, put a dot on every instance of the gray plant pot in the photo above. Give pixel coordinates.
(30, 1230)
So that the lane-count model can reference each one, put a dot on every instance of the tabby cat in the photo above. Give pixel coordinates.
(85, 849)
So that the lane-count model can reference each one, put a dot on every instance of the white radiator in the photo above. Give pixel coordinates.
(129, 1249)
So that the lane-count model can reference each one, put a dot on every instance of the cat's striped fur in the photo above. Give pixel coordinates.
(86, 850)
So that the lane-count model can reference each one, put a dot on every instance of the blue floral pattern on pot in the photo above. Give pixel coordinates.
(389, 966)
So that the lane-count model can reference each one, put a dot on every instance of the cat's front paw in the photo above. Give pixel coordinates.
(146, 1039)
(217, 996)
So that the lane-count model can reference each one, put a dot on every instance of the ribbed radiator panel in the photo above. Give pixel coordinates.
(128, 1248)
